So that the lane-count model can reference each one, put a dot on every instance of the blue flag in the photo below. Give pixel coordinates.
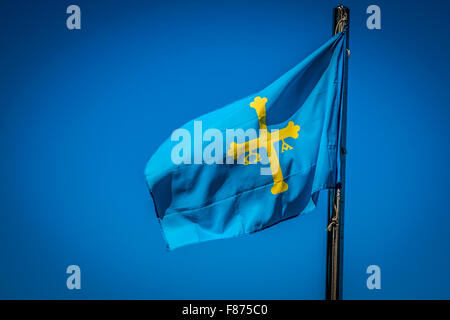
(257, 161)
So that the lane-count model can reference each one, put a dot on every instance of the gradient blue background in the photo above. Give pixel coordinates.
(82, 111)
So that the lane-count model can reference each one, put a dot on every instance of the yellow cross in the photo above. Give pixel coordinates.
(267, 139)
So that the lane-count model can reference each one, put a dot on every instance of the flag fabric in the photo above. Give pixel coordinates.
(259, 181)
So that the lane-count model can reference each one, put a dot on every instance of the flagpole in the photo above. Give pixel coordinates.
(335, 244)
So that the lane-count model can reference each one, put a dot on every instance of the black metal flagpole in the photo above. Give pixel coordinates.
(335, 244)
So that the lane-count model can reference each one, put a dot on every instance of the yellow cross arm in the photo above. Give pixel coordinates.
(290, 131)
(237, 149)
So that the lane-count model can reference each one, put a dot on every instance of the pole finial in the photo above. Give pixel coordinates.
(341, 16)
